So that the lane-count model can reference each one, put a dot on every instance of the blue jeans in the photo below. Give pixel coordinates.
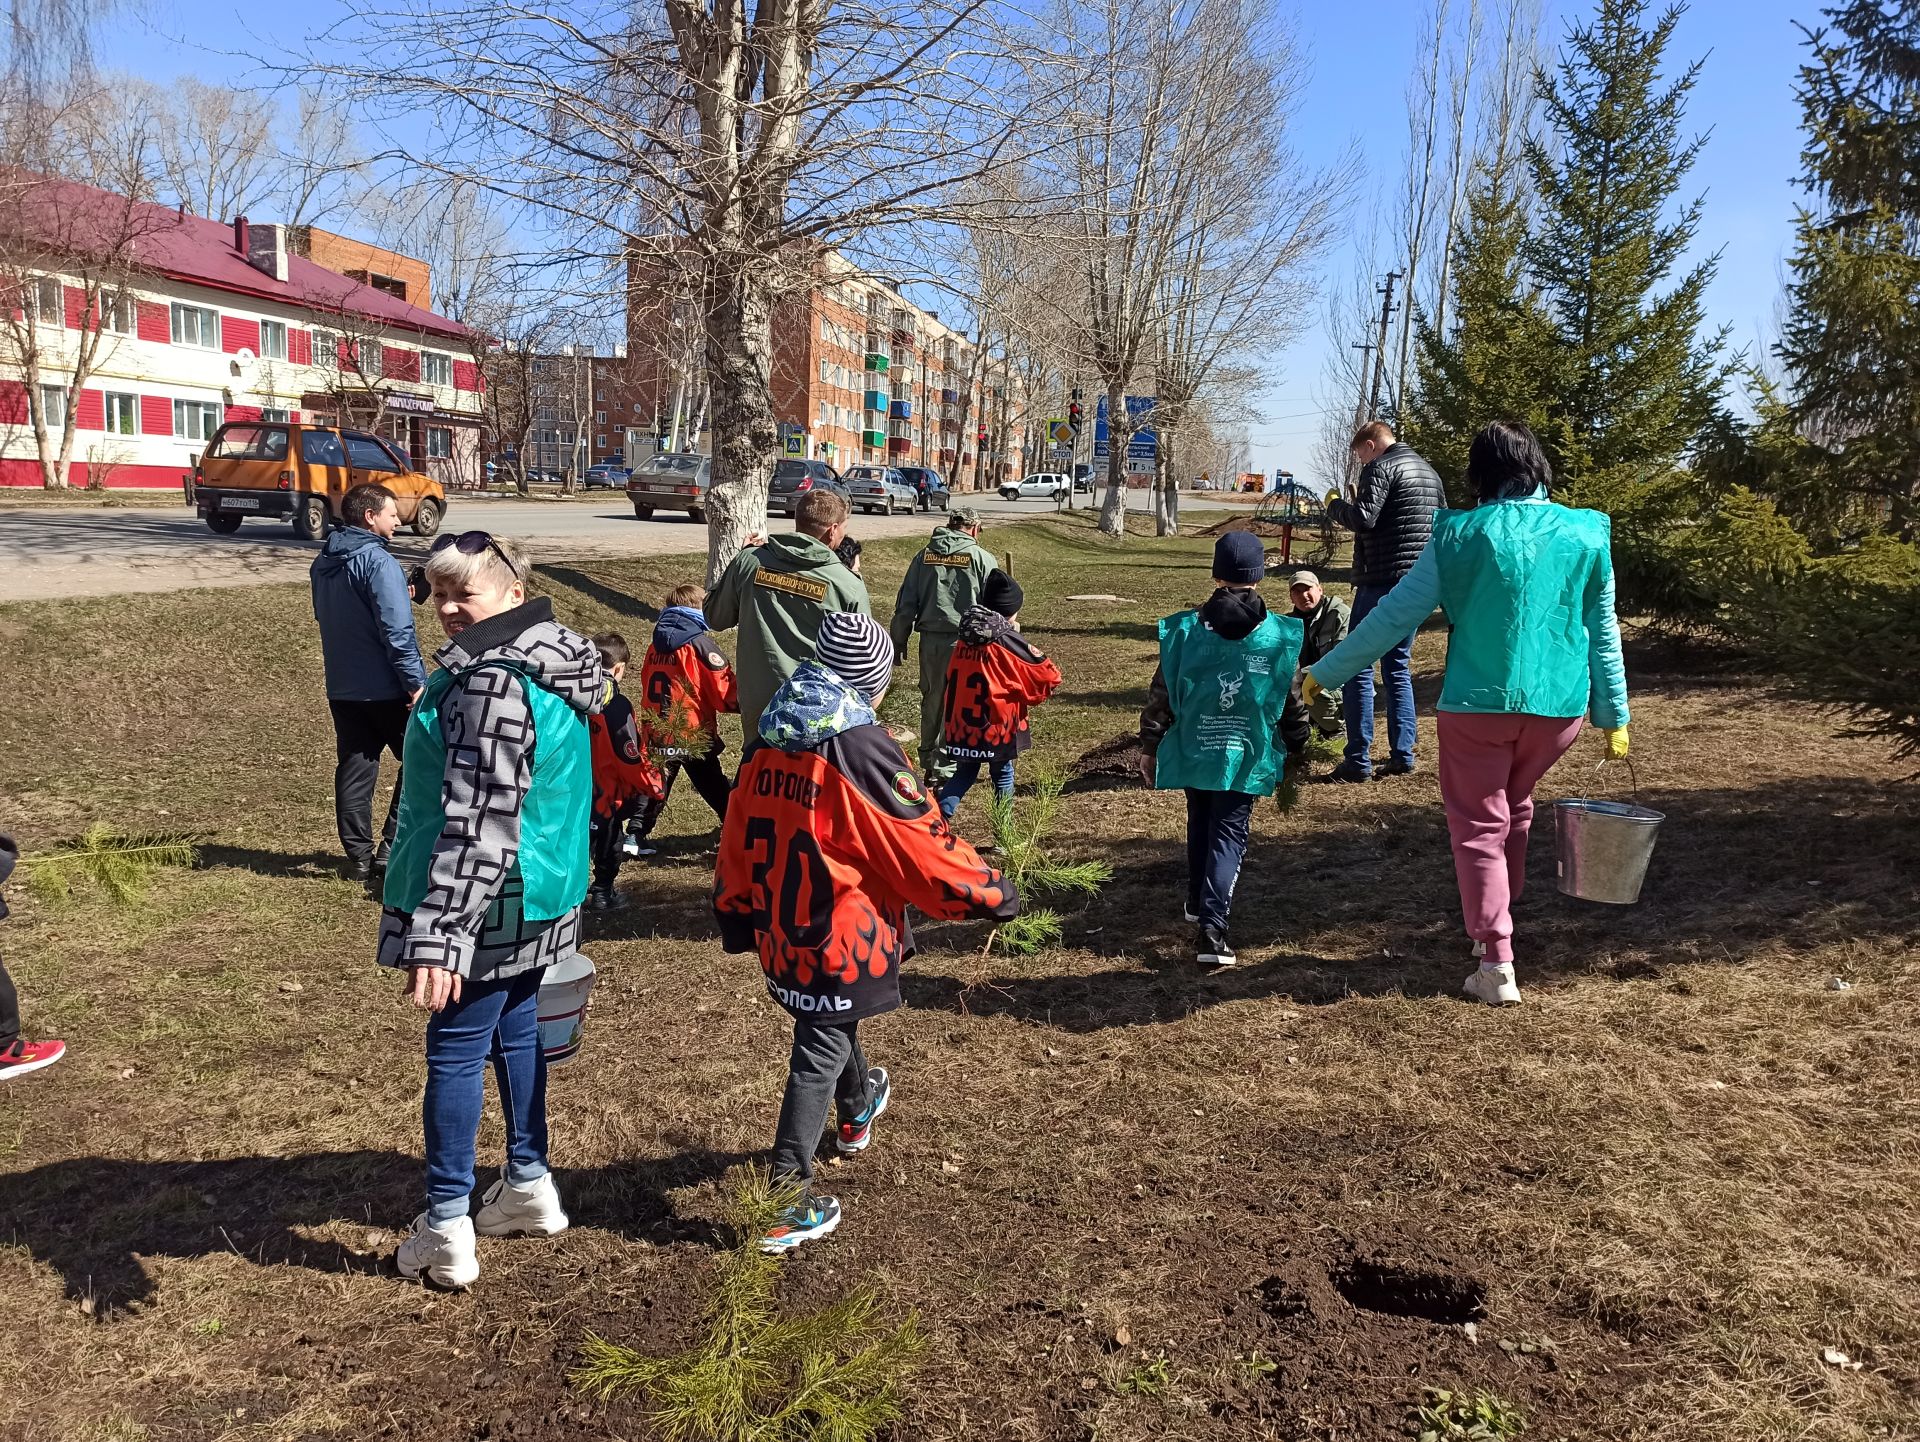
(1396, 680)
(497, 1020)
(1217, 827)
(966, 773)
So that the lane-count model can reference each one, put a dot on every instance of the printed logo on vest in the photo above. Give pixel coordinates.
(933, 559)
(907, 789)
(1230, 688)
(810, 587)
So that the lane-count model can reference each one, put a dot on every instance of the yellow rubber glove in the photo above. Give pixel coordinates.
(1617, 744)
(1332, 496)
(1311, 691)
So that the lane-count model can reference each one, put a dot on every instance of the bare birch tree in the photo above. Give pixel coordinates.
(743, 136)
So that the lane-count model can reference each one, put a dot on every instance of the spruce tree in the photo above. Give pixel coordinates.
(1497, 359)
(1638, 380)
(1851, 345)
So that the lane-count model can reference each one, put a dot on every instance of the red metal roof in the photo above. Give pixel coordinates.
(64, 215)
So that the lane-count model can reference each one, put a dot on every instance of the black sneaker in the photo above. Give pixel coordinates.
(1395, 768)
(361, 870)
(1347, 771)
(857, 1133)
(1214, 950)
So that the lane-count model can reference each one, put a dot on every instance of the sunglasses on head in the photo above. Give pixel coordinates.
(472, 543)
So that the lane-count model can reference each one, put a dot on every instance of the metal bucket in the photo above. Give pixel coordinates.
(1604, 848)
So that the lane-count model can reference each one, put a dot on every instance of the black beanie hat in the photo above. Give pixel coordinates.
(1239, 559)
(1001, 593)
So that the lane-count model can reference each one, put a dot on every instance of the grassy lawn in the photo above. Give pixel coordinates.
(1127, 1200)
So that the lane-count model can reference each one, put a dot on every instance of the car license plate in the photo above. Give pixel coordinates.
(239, 503)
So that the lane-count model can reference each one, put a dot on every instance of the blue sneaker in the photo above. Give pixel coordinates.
(814, 1217)
(855, 1135)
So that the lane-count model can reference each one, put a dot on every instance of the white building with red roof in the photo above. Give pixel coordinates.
(194, 322)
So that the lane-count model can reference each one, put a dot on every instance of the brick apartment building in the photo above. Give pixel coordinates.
(204, 321)
(859, 375)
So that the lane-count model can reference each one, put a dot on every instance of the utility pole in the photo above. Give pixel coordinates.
(1380, 354)
(1360, 406)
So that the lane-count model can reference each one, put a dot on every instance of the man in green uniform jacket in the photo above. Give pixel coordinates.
(777, 594)
(941, 585)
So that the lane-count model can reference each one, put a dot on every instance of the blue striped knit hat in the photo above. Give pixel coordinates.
(857, 649)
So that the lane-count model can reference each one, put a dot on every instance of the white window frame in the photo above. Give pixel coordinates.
(128, 404)
(278, 349)
(369, 358)
(57, 315)
(436, 368)
(53, 406)
(119, 314)
(326, 350)
(209, 413)
(445, 434)
(280, 414)
(600, 418)
(206, 325)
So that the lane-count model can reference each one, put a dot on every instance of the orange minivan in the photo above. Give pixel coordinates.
(302, 472)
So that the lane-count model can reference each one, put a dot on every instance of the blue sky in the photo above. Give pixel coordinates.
(1359, 56)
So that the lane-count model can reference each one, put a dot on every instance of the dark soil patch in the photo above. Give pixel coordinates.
(1109, 763)
(1268, 530)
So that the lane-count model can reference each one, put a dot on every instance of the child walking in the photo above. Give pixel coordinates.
(1222, 698)
(828, 839)
(685, 685)
(18, 1057)
(992, 681)
(624, 780)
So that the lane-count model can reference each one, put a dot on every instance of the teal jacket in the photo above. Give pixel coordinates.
(1228, 695)
(1528, 587)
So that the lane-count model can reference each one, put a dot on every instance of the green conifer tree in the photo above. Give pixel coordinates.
(1851, 344)
(1498, 357)
(1638, 381)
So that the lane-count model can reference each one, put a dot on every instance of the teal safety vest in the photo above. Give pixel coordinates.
(553, 864)
(1516, 580)
(1227, 698)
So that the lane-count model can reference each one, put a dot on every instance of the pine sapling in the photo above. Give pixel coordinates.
(1035, 873)
(121, 866)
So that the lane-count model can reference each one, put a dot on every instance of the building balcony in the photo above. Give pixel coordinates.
(949, 398)
(878, 360)
(901, 410)
(873, 438)
(902, 338)
(899, 445)
(876, 400)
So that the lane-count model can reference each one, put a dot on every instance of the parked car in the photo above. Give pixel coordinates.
(879, 488)
(929, 489)
(792, 479)
(1083, 478)
(670, 482)
(606, 475)
(302, 473)
(1050, 485)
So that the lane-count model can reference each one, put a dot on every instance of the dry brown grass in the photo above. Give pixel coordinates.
(1684, 1161)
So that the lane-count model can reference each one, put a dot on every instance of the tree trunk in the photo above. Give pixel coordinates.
(1113, 510)
(739, 336)
(1166, 509)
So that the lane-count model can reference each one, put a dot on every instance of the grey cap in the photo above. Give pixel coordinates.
(1302, 578)
(962, 518)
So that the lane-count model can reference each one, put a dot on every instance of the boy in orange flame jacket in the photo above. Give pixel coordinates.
(829, 838)
(994, 678)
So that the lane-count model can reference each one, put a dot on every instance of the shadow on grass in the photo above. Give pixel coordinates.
(1737, 872)
(272, 863)
(617, 601)
(93, 1219)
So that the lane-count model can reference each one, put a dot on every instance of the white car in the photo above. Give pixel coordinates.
(1049, 485)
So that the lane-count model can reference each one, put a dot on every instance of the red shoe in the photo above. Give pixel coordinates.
(25, 1056)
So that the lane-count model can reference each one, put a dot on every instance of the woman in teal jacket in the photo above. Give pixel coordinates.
(1535, 651)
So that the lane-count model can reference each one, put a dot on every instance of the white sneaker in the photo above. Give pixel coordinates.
(1479, 950)
(507, 1210)
(444, 1253)
(1494, 985)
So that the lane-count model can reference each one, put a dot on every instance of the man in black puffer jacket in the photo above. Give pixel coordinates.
(1391, 517)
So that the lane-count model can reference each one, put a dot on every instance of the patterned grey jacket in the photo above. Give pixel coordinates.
(471, 921)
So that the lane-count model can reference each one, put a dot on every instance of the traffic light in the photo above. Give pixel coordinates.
(1074, 413)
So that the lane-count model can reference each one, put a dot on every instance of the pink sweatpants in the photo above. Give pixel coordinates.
(1489, 765)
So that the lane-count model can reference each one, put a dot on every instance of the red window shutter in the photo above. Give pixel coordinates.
(299, 347)
(156, 416)
(76, 308)
(401, 365)
(466, 376)
(155, 324)
(236, 332)
(13, 403)
(243, 413)
(90, 412)
(345, 354)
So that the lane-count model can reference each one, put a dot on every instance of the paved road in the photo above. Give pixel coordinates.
(59, 551)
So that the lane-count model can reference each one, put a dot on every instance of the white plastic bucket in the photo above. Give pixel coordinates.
(564, 992)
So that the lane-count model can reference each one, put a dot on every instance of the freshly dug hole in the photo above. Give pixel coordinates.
(1377, 1285)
